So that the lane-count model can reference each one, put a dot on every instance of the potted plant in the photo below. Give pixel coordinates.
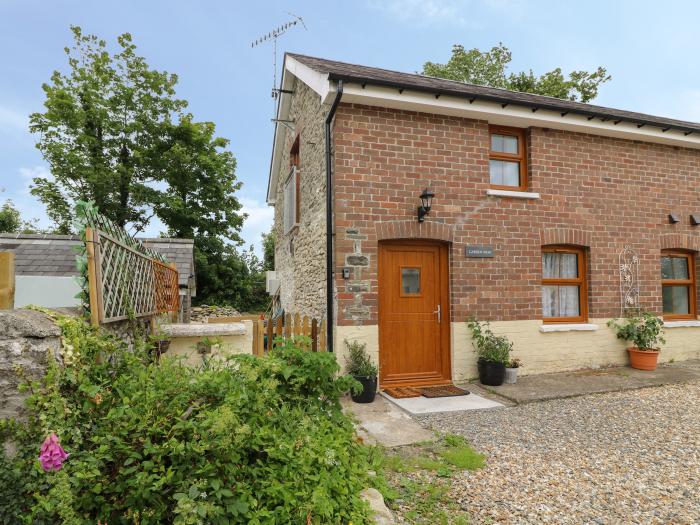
(493, 353)
(645, 331)
(207, 344)
(512, 370)
(360, 366)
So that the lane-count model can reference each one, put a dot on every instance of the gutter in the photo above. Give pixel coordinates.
(329, 219)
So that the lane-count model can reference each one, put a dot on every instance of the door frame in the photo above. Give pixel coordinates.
(443, 273)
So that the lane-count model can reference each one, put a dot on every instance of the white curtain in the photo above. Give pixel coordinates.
(560, 300)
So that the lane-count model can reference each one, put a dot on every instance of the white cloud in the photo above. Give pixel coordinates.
(259, 220)
(12, 121)
(461, 13)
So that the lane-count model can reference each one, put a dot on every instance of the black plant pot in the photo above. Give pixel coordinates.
(490, 373)
(369, 390)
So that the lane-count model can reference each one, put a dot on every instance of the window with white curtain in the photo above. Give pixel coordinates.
(290, 200)
(564, 288)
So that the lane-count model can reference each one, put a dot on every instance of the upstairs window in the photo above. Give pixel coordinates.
(507, 159)
(564, 286)
(678, 285)
(291, 208)
(292, 190)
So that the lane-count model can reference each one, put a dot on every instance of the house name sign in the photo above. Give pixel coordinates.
(479, 251)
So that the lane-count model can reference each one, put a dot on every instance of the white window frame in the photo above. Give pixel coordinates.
(290, 218)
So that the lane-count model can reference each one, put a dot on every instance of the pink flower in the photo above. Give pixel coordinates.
(52, 454)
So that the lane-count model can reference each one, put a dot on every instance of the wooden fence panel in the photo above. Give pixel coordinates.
(267, 331)
(125, 283)
(7, 280)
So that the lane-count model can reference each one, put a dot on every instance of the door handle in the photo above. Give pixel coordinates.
(439, 313)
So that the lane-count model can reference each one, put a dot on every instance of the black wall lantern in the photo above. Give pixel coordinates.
(426, 199)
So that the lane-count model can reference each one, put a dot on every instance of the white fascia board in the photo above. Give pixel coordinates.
(316, 81)
(511, 115)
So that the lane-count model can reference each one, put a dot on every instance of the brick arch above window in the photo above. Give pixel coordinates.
(414, 230)
(572, 236)
(679, 241)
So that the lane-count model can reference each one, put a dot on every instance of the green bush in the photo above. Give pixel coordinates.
(245, 440)
(489, 347)
(644, 329)
(358, 363)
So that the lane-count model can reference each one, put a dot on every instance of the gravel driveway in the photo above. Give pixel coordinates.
(626, 457)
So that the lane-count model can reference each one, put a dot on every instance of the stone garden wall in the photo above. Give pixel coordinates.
(27, 340)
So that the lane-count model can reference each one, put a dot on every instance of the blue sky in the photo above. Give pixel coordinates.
(650, 48)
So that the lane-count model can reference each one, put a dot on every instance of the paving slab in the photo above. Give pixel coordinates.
(545, 387)
(427, 405)
(384, 423)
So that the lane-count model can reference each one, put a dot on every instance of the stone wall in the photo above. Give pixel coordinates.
(27, 339)
(200, 314)
(300, 255)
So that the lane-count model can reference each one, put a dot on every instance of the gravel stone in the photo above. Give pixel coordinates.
(624, 457)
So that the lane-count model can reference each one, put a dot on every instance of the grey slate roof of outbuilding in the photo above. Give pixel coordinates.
(438, 86)
(54, 255)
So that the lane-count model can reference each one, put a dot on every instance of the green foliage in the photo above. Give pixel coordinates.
(11, 220)
(644, 329)
(418, 479)
(103, 125)
(268, 242)
(115, 134)
(488, 68)
(489, 346)
(358, 363)
(243, 440)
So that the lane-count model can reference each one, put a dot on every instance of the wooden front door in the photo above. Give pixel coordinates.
(414, 313)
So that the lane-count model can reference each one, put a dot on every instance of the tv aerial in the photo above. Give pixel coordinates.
(273, 36)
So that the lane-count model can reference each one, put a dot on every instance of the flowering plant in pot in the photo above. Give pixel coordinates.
(645, 330)
(512, 370)
(360, 366)
(493, 352)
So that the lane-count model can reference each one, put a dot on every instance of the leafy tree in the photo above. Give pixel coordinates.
(102, 122)
(11, 220)
(114, 132)
(268, 242)
(488, 68)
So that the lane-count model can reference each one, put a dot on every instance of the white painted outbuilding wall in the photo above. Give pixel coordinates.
(46, 290)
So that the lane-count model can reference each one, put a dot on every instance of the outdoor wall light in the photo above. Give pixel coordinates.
(673, 218)
(695, 219)
(426, 199)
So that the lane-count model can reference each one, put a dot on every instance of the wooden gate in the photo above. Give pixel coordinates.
(267, 331)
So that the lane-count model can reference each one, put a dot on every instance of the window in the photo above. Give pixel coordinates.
(291, 205)
(292, 190)
(507, 160)
(410, 281)
(678, 284)
(564, 286)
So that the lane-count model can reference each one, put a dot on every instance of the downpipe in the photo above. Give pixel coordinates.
(329, 219)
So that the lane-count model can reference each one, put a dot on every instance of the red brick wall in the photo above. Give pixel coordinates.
(595, 191)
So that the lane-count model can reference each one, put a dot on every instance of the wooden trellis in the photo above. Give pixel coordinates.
(266, 331)
(125, 282)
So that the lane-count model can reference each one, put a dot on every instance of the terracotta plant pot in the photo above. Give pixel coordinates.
(643, 359)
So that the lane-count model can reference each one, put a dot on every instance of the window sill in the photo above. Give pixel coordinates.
(681, 324)
(514, 194)
(578, 327)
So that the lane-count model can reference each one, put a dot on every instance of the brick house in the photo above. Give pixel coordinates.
(548, 217)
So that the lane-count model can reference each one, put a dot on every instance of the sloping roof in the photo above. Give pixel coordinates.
(438, 86)
(179, 251)
(54, 255)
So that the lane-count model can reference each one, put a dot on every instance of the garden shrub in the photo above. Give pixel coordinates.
(244, 440)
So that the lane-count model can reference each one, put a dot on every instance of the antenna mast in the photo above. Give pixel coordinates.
(274, 35)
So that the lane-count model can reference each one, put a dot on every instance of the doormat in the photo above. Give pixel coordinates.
(443, 391)
(401, 392)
